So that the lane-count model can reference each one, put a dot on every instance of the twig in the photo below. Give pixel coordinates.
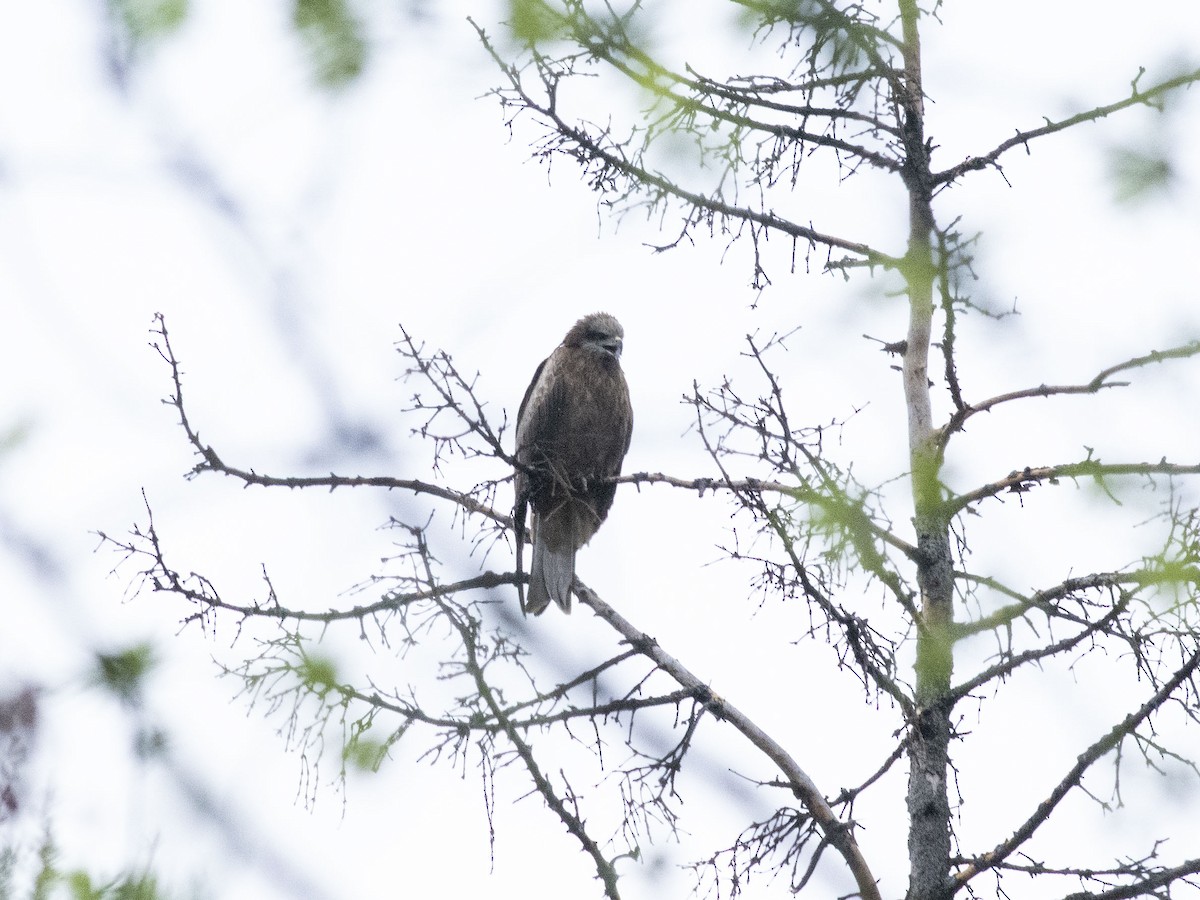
(835, 831)
(588, 146)
(1075, 775)
(1098, 383)
(1022, 138)
(1019, 482)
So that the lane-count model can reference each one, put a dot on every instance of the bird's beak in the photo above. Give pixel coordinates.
(614, 346)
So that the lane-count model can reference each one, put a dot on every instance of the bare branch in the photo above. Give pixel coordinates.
(750, 486)
(1074, 776)
(1014, 661)
(1137, 97)
(859, 31)
(609, 156)
(836, 832)
(751, 91)
(1142, 876)
(647, 78)
(848, 795)
(1151, 883)
(456, 398)
(1020, 482)
(211, 462)
(1097, 384)
(467, 629)
(1044, 601)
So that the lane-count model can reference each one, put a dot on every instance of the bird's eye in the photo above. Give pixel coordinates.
(597, 336)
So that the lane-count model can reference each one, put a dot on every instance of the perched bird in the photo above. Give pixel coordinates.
(573, 430)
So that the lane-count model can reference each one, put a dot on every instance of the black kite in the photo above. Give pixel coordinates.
(573, 430)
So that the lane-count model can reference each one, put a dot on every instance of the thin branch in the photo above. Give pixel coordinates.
(848, 795)
(589, 147)
(1019, 482)
(856, 29)
(1075, 775)
(205, 597)
(745, 486)
(1010, 664)
(467, 629)
(1138, 97)
(646, 80)
(1150, 884)
(835, 831)
(1145, 877)
(440, 373)
(751, 94)
(493, 725)
(211, 462)
(1043, 601)
(1098, 383)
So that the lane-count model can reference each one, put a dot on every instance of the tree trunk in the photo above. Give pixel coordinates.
(928, 749)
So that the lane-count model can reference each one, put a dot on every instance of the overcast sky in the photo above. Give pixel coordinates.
(285, 231)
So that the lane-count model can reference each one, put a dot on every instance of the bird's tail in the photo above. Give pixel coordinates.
(550, 575)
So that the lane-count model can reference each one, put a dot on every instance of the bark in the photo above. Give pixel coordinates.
(929, 735)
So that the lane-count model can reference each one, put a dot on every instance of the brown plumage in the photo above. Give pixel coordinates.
(572, 432)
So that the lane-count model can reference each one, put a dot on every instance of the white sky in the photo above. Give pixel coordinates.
(402, 199)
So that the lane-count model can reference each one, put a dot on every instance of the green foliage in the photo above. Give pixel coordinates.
(50, 882)
(926, 479)
(833, 40)
(126, 887)
(317, 674)
(843, 523)
(935, 659)
(332, 35)
(1139, 174)
(361, 752)
(306, 689)
(145, 21)
(47, 872)
(334, 38)
(14, 435)
(124, 672)
(1173, 573)
(534, 22)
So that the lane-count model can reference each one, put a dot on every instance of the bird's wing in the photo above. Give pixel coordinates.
(529, 392)
(522, 450)
(542, 417)
(543, 413)
(626, 423)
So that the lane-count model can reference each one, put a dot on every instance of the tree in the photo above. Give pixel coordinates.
(850, 90)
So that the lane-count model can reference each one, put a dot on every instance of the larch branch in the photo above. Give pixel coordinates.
(1075, 775)
(1150, 884)
(1022, 138)
(1099, 382)
(589, 147)
(1018, 482)
(837, 833)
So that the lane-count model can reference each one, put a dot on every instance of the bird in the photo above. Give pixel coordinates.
(573, 431)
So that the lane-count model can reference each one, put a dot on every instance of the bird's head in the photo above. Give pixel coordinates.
(600, 332)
